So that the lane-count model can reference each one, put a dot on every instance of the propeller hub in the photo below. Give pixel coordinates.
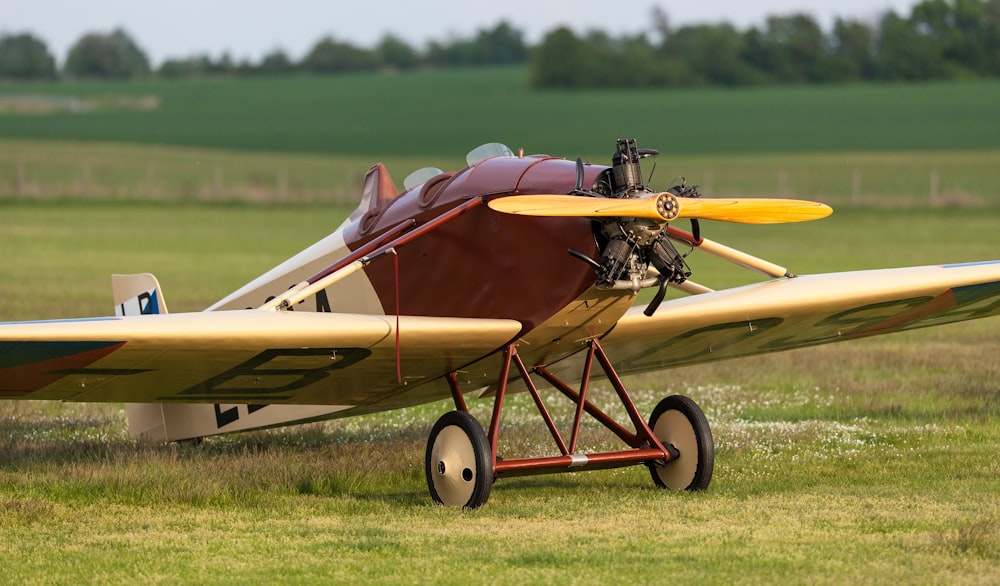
(666, 206)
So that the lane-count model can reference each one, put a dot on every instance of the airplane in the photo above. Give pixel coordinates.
(511, 273)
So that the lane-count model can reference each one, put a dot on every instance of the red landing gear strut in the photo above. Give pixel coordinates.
(461, 460)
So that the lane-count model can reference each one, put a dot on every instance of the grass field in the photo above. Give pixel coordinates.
(58, 170)
(860, 145)
(446, 113)
(872, 461)
(60, 254)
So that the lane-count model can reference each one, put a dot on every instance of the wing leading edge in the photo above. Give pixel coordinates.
(245, 357)
(803, 311)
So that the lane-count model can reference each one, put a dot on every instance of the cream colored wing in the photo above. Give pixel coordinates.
(244, 357)
(799, 312)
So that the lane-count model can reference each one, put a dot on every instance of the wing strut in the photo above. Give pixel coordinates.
(724, 252)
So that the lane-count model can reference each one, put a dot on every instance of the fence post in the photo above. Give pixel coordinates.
(84, 179)
(856, 187)
(149, 180)
(21, 185)
(217, 184)
(283, 185)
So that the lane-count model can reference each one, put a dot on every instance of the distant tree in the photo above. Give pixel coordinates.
(203, 65)
(762, 55)
(601, 63)
(226, 65)
(113, 56)
(713, 54)
(661, 23)
(852, 51)
(556, 62)
(906, 53)
(245, 68)
(24, 56)
(804, 43)
(940, 39)
(440, 54)
(330, 56)
(961, 27)
(789, 49)
(194, 66)
(637, 64)
(971, 46)
(672, 69)
(274, 63)
(136, 59)
(396, 53)
(991, 37)
(501, 45)
(564, 60)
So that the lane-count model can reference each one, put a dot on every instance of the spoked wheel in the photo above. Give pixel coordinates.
(678, 421)
(459, 463)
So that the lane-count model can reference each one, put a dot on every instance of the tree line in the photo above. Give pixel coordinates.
(939, 39)
(117, 56)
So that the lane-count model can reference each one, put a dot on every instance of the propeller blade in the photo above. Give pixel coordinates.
(754, 210)
(665, 207)
(575, 206)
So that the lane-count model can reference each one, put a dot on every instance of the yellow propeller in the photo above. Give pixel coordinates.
(665, 207)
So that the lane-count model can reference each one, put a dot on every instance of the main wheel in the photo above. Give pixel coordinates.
(459, 462)
(678, 421)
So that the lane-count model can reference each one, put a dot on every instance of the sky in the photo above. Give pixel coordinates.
(249, 29)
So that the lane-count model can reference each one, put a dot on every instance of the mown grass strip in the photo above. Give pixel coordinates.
(87, 172)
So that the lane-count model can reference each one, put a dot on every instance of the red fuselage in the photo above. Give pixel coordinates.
(484, 263)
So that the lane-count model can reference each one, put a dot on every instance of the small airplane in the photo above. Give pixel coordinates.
(514, 271)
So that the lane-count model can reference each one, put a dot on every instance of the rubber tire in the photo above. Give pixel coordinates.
(684, 426)
(459, 445)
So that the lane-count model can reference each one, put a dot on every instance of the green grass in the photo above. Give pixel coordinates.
(60, 254)
(446, 113)
(805, 490)
(872, 461)
(34, 169)
(58, 170)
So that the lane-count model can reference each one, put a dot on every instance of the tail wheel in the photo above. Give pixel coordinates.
(459, 462)
(678, 421)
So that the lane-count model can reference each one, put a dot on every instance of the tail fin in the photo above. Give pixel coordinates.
(140, 294)
(137, 295)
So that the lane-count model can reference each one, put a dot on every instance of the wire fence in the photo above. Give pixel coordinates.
(168, 174)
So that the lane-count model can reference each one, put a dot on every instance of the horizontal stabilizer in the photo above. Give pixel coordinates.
(140, 294)
(166, 422)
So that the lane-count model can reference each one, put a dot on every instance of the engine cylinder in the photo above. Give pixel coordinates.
(625, 168)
